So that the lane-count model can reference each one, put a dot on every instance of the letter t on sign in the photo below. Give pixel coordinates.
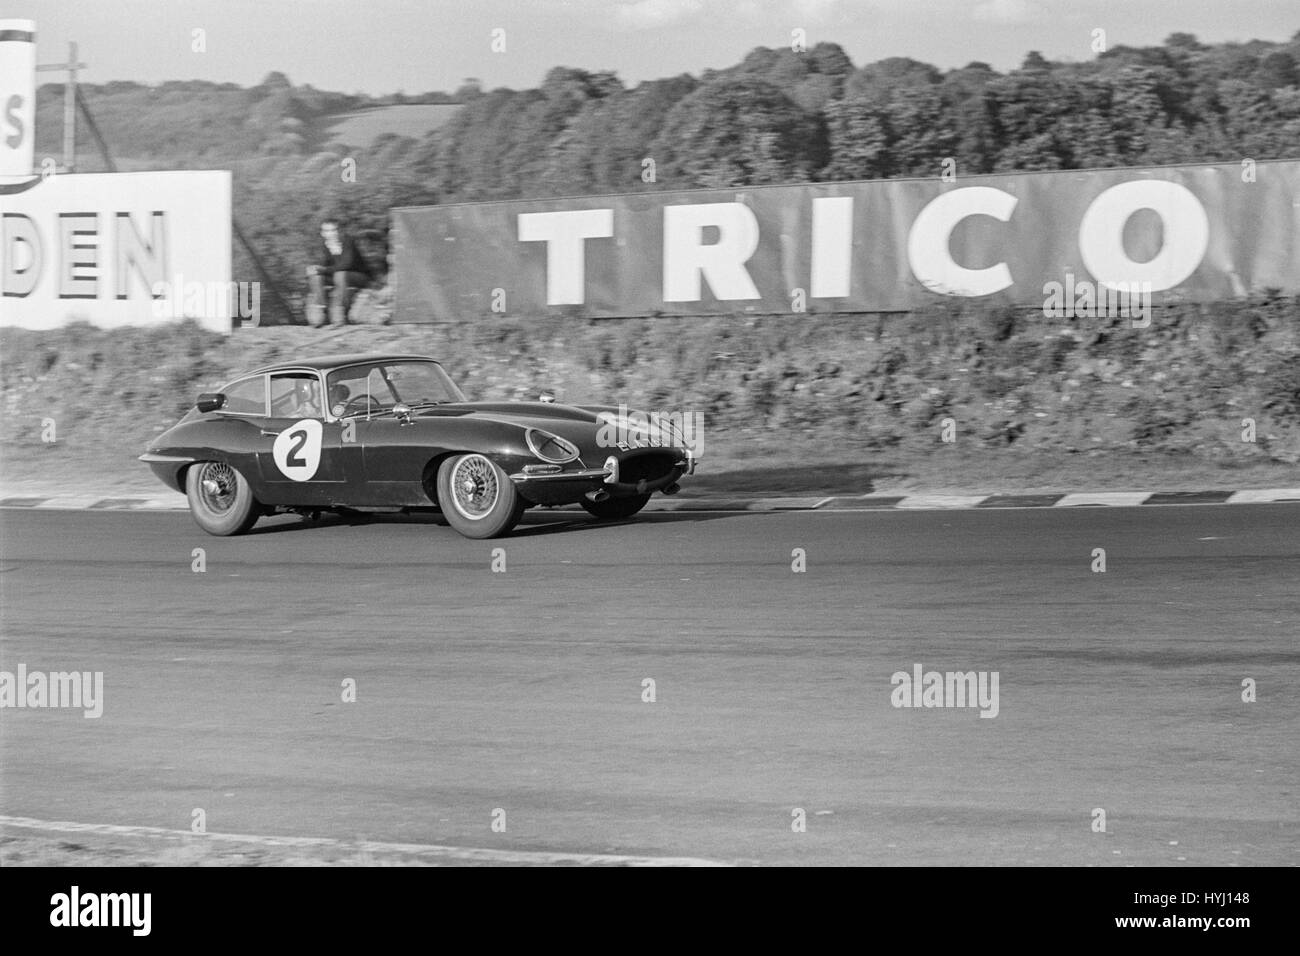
(565, 234)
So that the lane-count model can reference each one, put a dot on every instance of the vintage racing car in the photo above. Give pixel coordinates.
(394, 433)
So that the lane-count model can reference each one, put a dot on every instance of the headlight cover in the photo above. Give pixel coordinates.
(550, 447)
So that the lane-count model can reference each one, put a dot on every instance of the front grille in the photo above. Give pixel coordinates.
(650, 466)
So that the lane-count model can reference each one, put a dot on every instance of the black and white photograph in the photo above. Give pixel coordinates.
(650, 433)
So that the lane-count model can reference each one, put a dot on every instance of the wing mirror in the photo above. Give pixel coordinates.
(210, 401)
(402, 412)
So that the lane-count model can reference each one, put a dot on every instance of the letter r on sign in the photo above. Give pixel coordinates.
(688, 259)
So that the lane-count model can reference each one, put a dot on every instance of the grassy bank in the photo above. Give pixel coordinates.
(819, 402)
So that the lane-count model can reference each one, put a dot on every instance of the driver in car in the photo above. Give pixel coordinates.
(339, 395)
(306, 394)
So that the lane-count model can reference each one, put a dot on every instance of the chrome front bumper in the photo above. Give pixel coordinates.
(609, 474)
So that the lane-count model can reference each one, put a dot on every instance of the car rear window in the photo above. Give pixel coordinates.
(246, 397)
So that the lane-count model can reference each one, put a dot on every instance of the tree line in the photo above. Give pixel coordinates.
(778, 116)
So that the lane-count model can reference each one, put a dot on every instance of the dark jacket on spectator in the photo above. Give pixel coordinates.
(349, 260)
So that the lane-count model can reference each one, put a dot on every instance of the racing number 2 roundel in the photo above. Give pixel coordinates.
(297, 450)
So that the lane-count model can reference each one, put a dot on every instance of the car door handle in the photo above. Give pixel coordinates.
(269, 434)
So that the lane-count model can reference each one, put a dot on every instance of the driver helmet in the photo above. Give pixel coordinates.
(305, 392)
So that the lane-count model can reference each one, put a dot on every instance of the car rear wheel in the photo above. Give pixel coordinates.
(612, 509)
(221, 500)
(477, 498)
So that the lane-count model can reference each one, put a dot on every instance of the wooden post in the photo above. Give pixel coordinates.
(70, 112)
(95, 134)
(69, 106)
(74, 97)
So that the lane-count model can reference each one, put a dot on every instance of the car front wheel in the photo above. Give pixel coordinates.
(221, 499)
(477, 498)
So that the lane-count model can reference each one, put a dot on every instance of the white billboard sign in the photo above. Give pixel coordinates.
(117, 249)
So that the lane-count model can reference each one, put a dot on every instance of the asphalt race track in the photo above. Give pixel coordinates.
(523, 690)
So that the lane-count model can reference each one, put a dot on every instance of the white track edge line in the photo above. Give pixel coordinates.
(456, 852)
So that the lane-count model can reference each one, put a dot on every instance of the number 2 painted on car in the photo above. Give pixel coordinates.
(297, 450)
(292, 459)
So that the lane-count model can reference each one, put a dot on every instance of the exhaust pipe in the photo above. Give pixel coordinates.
(600, 494)
(673, 489)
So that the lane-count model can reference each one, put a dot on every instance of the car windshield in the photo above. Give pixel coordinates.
(378, 386)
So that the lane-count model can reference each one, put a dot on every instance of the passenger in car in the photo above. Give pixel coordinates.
(339, 395)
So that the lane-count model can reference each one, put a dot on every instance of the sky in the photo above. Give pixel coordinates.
(415, 46)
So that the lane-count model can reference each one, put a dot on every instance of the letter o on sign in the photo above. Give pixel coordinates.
(1186, 234)
(297, 450)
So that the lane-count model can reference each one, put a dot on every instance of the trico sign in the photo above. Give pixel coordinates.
(1199, 231)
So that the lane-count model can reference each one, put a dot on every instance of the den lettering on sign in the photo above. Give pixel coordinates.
(87, 255)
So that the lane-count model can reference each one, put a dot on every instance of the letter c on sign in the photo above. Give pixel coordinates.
(927, 244)
(1186, 234)
(297, 450)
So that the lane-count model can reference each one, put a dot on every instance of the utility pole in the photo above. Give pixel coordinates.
(69, 105)
(72, 96)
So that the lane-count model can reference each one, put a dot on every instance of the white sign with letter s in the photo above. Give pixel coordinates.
(17, 97)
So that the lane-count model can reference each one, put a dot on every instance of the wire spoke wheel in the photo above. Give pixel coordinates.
(221, 500)
(477, 498)
(218, 487)
(475, 487)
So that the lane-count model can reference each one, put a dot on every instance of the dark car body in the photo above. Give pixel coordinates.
(381, 454)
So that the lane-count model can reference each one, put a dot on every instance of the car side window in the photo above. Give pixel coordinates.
(246, 397)
(358, 391)
(296, 395)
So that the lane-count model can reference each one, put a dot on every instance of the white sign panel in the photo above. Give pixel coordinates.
(117, 249)
(17, 97)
